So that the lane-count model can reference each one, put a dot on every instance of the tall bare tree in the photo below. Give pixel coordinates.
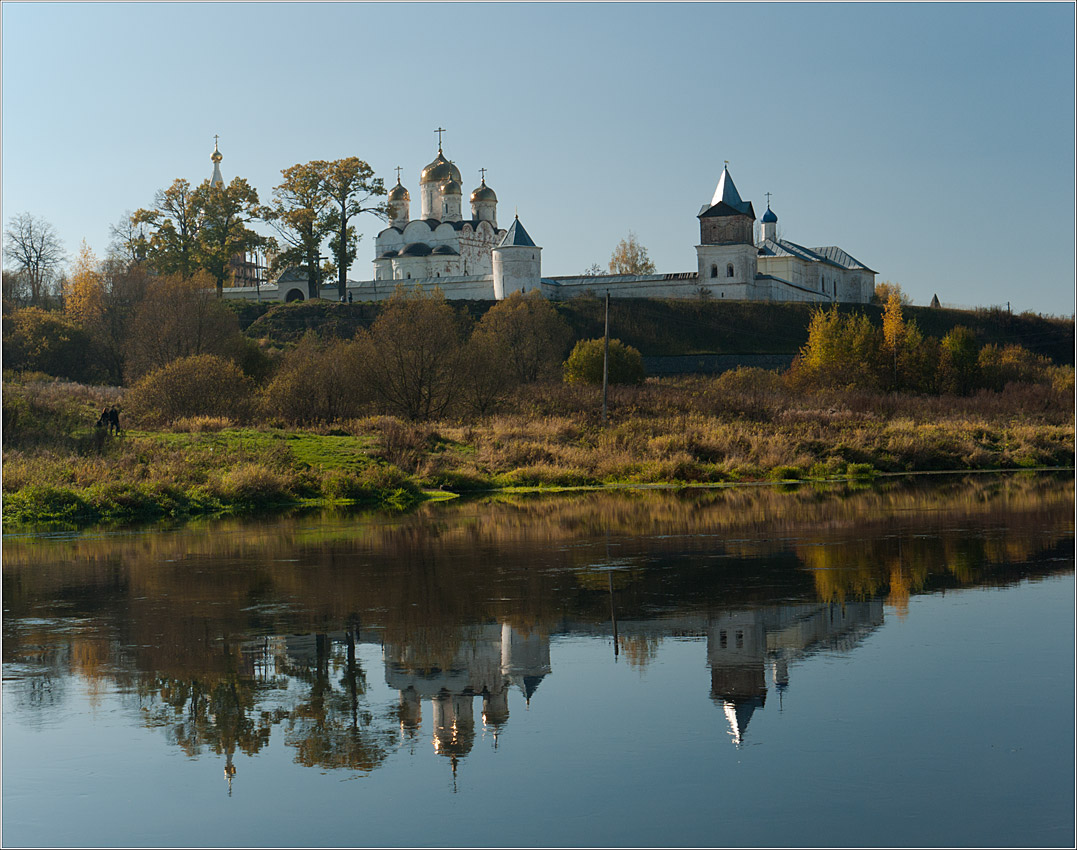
(35, 253)
(411, 355)
(129, 243)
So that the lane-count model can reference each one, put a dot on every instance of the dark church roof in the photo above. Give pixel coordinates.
(516, 235)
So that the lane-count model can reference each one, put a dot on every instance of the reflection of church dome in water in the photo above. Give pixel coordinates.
(454, 724)
(439, 170)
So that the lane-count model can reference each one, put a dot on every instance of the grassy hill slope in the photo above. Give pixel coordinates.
(658, 327)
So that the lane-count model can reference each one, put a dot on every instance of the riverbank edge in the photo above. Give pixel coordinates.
(397, 502)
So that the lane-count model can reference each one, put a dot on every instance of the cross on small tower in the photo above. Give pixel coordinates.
(215, 137)
(398, 170)
(768, 199)
(439, 131)
(482, 171)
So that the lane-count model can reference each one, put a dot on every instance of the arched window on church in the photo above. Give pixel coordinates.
(714, 270)
(729, 270)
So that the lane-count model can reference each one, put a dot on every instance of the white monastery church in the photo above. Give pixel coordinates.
(474, 258)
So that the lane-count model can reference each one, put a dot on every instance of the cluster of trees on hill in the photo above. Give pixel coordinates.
(846, 351)
(191, 229)
(420, 359)
(203, 228)
(119, 321)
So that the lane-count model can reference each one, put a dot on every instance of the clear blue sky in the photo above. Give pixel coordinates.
(935, 143)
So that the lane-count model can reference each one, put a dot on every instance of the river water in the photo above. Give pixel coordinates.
(881, 666)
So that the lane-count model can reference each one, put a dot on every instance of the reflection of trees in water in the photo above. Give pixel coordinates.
(331, 725)
(176, 607)
(199, 713)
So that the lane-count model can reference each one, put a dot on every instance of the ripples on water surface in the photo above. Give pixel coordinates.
(889, 666)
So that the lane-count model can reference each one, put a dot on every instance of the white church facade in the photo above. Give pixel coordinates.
(475, 259)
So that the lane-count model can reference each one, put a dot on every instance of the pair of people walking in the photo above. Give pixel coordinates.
(110, 420)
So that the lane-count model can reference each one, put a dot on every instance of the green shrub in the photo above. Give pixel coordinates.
(342, 485)
(545, 475)
(787, 473)
(746, 392)
(860, 470)
(317, 382)
(252, 485)
(46, 341)
(1011, 364)
(41, 504)
(584, 364)
(460, 481)
(203, 385)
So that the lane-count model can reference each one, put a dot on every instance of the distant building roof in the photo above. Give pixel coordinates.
(831, 254)
(292, 273)
(838, 257)
(727, 200)
(516, 235)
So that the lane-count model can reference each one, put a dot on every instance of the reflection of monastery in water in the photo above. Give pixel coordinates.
(488, 662)
(743, 646)
(745, 649)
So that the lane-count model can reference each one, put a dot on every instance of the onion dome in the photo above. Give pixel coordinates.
(216, 155)
(451, 187)
(398, 192)
(440, 169)
(769, 217)
(483, 193)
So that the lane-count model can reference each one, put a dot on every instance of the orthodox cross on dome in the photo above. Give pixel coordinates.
(482, 171)
(768, 199)
(439, 131)
(398, 170)
(215, 137)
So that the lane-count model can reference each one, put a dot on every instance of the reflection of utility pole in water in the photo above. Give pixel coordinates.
(613, 617)
(609, 573)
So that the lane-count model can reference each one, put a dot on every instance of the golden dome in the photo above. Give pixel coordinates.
(440, 169)
(216, 155)
(451, 187)
(399, 193)
(483, 193)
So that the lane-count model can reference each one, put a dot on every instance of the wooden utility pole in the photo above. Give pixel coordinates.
(606, 358)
